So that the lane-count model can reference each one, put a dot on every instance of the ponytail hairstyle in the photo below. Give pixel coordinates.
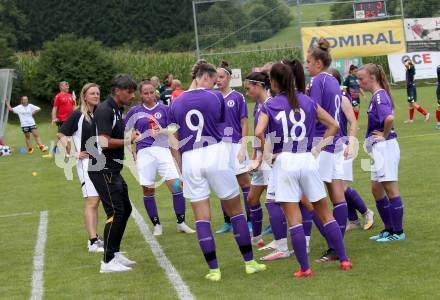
(259, 78)
(298, 73)
(322, 52)
(196, 66)
(84, 108)
(225, 66)
(335, 74)
(205, 68)
(282, 75)
(379, 75)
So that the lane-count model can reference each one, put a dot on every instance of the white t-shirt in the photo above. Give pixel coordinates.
(25, 114)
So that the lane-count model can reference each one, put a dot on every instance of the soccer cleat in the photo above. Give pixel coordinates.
(157, 230)
(353, 225)
(43, 148)
(438, 126)
(214, 275)
(30, 150)
(276, 254)
(368, 219)
(113, 266)
(267, 230)
(182, 227)
(345, 265)
(100, 242)
(271, 246)
(257, 241)
(427, 117)
(302, 273)
(408, 121)
(392, 237)
(328, 255)
(384, 233)
(95, 247)
(250, 226)
(225, 228)
(123, 260)
(253, 267)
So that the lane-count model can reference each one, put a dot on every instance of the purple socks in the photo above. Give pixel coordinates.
(299, 245)
(340, 215)
(397, 214)
(151, 208)
(334, 236)
(179, 206)
(355, 200)
(277, 220)
(256, 219)
(242, 236)
(384, 209)
(351, 211)
(207, 243)
(245, 192)
(306, 220)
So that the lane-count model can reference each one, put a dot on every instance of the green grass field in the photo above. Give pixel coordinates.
(401, 270)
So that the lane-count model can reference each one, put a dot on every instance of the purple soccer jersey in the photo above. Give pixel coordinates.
(235, 110)
(291, 131)
(198, 114)
(379, 109)
(139, 118)
(325, 90)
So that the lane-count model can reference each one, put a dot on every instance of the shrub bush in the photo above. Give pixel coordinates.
(76, 60)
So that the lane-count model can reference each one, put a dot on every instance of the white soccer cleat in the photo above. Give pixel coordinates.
(271, 246)
(368, 219)
(353, 225)
(95, 248)
(276, 254)
(113, 266)
(182, 227)
(257, 241)
(157, 230)
(123, 260)
(427, 117)
(308, 243)
(100, 242)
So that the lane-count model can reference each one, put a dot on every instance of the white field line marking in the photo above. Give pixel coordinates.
(16, 215)
(419, 135)
(38, 269)
(183, 291)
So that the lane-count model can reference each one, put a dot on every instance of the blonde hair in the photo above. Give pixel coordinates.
(83, 105)
(379, 75)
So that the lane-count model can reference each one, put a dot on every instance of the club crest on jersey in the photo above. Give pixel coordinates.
(230, 103)
(157, 115)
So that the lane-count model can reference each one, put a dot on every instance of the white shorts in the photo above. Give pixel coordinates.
(239, 168)
(347, 165)
(385, 163)
(331, 165)
(208, 168)
(270, 192)
(153, 160)
(87, 187)
(295, 174)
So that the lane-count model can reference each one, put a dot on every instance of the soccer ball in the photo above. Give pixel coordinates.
(5, 151)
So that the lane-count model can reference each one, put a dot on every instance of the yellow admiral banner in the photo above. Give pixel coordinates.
(360, 39)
